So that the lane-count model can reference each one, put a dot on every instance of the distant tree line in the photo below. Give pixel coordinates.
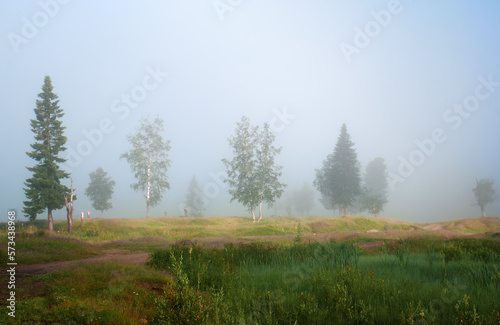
(253, 175)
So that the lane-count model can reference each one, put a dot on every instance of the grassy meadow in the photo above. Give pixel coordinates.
(283, 270)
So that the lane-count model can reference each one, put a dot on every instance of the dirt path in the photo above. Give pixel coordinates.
(115, 255)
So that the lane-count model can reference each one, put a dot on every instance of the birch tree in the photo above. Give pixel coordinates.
(252, 175)
(148, 160)
(69, 207)
(267, 172)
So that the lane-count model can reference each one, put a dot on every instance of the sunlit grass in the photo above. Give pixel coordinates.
(105, 293)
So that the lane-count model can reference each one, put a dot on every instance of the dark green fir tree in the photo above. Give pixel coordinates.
(44, 191)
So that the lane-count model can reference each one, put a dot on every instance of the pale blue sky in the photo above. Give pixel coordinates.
(263, 59)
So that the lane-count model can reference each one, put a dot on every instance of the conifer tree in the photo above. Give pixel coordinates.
(44, 190)
(195, 201)
(339, 179)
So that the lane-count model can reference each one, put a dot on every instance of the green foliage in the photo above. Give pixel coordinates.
(252, 175)
(100, 190)
(44, 189)
(466, 314)
(268, 173)
(473, 249)
(339, 179)
(149, 161)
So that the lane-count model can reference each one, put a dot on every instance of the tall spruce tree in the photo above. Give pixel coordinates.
(339, 179)
(44, 189)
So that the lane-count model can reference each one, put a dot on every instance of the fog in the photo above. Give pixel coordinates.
(417, 83)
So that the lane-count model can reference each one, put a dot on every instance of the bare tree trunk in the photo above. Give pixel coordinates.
(51, 220)
(82, 217)
(147, 211)
(260, 212)
(88, 214)
(483, 213)
(69, 208)
(185, 213)
(253, 215)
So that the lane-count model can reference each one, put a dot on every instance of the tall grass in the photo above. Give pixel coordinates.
(329, 283)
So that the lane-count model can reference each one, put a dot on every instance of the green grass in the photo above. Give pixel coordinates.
(175, 228)
(104, 293)
(40, 248)
(425, 279)
(326, 284)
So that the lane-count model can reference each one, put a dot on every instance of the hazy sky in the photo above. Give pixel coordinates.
(416, 82)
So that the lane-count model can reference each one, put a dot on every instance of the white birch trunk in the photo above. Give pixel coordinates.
(149, 185)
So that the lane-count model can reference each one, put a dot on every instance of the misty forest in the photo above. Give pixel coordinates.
(250, 172)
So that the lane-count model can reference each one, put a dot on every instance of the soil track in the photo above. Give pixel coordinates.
(114, 255)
